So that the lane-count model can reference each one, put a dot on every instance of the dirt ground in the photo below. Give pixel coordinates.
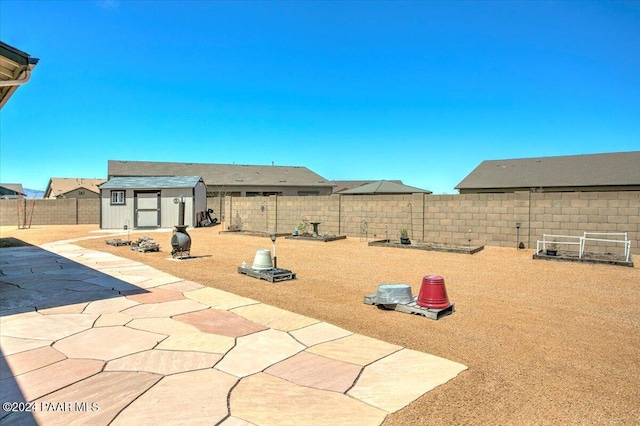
(545, 342)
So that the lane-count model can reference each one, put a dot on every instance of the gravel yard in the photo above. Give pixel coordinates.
(545, 342)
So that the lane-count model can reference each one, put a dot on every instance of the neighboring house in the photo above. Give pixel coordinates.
(384, 187)
(232, 179)
(73, 188)
(618, 171)
(11, 190)
(343, 185)
(151, 202)
(15, 70)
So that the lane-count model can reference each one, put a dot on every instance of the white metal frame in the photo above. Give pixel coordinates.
(568, 240)
(626, 241)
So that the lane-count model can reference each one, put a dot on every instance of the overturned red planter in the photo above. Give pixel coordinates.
(433, 293)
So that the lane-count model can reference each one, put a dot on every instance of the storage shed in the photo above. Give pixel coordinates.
(151, 201)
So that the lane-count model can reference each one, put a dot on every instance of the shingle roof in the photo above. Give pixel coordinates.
(384, 187)
(343, 185)
(14, 187)
(60, 186)
(227, 175)
(611, 169)
(151, 182)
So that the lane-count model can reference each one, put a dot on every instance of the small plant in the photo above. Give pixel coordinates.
(404, 232)
(303, 226)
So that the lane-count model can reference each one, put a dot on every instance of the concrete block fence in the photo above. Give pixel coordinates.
(484, 219)
(476, 219)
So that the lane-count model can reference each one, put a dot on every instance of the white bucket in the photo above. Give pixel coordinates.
(262, 260)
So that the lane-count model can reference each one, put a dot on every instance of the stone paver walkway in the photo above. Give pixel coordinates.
(91, 338)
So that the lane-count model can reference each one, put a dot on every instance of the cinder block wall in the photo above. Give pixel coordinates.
(485, 219)
(476, 219)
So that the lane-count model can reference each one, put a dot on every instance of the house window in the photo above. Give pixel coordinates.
(117, 197)
(80, 192)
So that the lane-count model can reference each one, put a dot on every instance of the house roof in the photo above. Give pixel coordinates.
(13, 187)
(15, 70)
(343, 185)
(611, 169)
(61, 186)
(222, 175)
(384, 187)
(151, 182)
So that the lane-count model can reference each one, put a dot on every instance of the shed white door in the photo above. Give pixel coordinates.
(147, 205)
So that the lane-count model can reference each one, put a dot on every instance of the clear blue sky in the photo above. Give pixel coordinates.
(417, 91)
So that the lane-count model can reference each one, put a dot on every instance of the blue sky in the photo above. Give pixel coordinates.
(417, 91)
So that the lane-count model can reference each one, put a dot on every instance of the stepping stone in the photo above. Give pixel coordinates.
(164, 309)
(192, 398)
(273, 317)
(199, 342)
(306, 369)
(164, 362)
(35, 384)
(255, 352)
(319, 333)
(153, 295)
(95, 400)
(28, 361)
(218, 299)
(107, 343)
(220, 322)
(45, 327)
(266, 400)
(355, 349)
(397, 380)
(13, 345)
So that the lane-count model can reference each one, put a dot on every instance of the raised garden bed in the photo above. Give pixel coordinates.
(253, 233)
(428, 246)
(587, 257)
(311, 237)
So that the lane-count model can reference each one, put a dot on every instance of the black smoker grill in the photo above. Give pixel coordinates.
(181, 241)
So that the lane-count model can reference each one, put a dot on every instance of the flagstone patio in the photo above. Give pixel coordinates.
(91, 338)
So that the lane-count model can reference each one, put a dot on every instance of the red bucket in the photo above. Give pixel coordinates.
(433, 293)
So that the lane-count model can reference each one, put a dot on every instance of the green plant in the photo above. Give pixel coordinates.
(303, 226)
(404, 232)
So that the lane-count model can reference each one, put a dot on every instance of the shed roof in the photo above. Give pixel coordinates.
(610, 169)
(384, 187)
(222, 175)
(151, 182)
